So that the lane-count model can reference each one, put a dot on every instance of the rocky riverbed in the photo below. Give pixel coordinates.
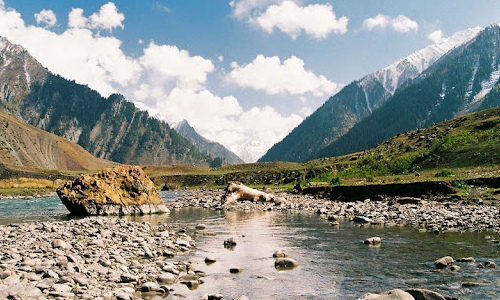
(113, 258)
(91, 258)
(425, 215)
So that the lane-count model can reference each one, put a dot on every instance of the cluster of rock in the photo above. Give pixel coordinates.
(409, 294)
(425, 215)
(91, 258)
(124, 190)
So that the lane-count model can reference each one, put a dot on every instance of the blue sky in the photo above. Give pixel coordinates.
(242, 72)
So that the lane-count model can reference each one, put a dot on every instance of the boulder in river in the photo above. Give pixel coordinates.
(443, 262)
(395, 294)
(124, 190)
(373, 241)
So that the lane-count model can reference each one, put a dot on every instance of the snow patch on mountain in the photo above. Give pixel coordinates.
(488, 85)
(407, 68)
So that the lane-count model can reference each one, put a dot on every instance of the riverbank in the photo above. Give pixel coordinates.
(91, 258)
(425, 215)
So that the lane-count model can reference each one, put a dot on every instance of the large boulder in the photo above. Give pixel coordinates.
(124, 190)
(395, 294)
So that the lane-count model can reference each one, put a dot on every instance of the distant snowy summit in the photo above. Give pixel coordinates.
(407, 68)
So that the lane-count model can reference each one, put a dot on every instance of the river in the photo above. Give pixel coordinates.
(334, 262)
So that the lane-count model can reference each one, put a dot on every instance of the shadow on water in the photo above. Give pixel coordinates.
(333, 261)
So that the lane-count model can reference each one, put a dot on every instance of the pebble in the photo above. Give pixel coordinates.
(285, 263)
(235, 270)
(89, 258)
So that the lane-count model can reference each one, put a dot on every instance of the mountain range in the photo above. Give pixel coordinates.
(359, 100)
(109, 128)
(463, 81)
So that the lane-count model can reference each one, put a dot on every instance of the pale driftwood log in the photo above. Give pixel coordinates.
(236, 191)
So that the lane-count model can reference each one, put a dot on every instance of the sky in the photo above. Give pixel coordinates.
(242, 72)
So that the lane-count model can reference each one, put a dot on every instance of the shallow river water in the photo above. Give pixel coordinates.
(334, 262)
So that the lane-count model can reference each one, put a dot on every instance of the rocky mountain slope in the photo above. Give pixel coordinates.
(22, 145)
(358, 100)
(465, 80)
(206, 146)
(111, 128)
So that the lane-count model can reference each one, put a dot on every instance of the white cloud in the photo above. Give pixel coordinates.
(436, 36)
(166, 77)
(76, 53)
(316, 20)
(270, 75)
(404, 24)
(108, 17)
(246, 8)
(221, 58)
(170, 63)
(162, 8)
(46, 16)
(76, 18)
(400, 24)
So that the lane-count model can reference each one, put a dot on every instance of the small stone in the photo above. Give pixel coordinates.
(201, 227)
(373, 241)
(12, 279)
(60, 244)
(455, 268)
(166, 278)
(395, 294)
(466, 259)
(280, 253)
(230, 243)
(490, 264)
(235, 270)
(425, 294)
(210, 260)
(61, 288)
(150, 287)
(285, 263)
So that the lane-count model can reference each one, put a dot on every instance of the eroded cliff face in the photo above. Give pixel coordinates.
(22, 145)
(111, 128)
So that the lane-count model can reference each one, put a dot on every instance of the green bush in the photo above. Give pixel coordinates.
(335, 180)
(460, 185)
(444, 173)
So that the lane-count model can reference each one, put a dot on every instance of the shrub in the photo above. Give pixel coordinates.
(444, 173)
(335, 180)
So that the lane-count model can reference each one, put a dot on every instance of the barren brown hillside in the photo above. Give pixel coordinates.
(22, 145)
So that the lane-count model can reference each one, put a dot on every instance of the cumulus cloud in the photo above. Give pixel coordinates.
(399, 24)
(171, 63)
(306, 111)
(316, 20)
(46, 16)
(108, 17)
(77, 53)
(274, 77)
(170, 80)
(76, 18)
(436, 36)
